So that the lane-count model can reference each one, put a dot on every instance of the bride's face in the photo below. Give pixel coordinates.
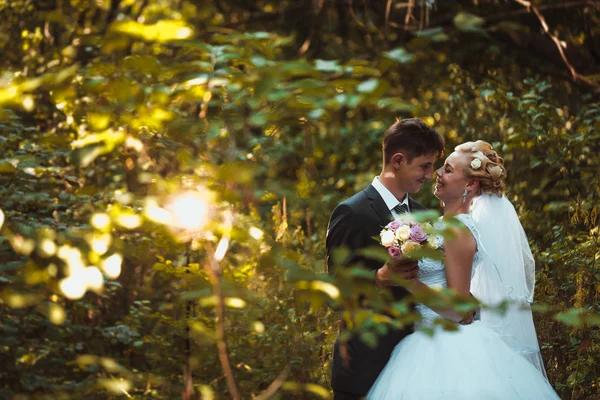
(450, 180)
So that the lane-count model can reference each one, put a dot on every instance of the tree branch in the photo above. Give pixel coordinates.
(275, 385)
(569, 4)
(212, 270)
(388, 8)
(576, 76)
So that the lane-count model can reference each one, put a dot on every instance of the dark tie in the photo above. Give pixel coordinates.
(401, 208)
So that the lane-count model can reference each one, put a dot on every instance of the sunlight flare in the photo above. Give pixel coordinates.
(190, 211)
(155, 213)
(101, 243)
(72, 257)
(222, 248)
(57, 314)
(47, 248)
(73, 287)
(93, 279)
(100, 221)
(256, 233)
(234, 302)
(112, 266)
(129, 221)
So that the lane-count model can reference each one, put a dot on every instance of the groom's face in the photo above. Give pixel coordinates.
(411, 175)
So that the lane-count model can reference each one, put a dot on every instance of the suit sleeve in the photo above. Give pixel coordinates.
(344, 231)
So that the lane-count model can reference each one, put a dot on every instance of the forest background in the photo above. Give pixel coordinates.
(168, 167)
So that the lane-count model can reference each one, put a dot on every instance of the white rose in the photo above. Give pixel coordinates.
(409, 246)
(434, 242)
(403, 233)
(387, 238)
(476, 163)
(437, 287)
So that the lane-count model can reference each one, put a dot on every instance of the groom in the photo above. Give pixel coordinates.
(410, 149)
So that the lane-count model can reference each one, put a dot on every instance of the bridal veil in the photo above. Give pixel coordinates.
(506, 272)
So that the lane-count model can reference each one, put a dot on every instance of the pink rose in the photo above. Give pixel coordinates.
(394, 225)
(417, 234)
(394, 252)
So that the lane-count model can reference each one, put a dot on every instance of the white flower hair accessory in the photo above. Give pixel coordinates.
(476, 163)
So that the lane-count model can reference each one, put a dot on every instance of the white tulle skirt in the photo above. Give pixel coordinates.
(472, 363)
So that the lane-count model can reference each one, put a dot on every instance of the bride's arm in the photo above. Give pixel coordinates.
(458, 261)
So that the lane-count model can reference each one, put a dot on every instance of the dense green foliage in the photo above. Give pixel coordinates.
(273, 112)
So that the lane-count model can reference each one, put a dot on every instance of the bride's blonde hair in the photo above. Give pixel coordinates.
(491, 173)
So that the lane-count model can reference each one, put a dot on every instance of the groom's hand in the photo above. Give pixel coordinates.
(403, 269)
(468, 319)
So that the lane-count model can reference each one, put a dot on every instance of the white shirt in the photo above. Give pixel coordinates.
(390, 200)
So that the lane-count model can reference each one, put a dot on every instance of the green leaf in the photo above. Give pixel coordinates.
(425, 252)
(363, 273)
(98, 121)
(426, 216)
(109, 138)
(84, 156)
(308, 387)
(509, 26)
(467, 22)
(428, 331)
(340, 255)
(396, 105)
(486, 93)
(557, 206)
(7, 168)
(378, 253)
(433, 34)
(367, 86)
(143, 64)
(327, 66)
(540, 307)
(254, 35)
(115, 386)
(316, 114)
(569, 317)
(369, 338)
(162, 31)
(258, 61)
(400, 54)
(536, 163)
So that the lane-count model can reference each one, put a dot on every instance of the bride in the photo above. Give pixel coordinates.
(496, 358)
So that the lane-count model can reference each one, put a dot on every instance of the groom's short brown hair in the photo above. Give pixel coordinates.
(413, 138)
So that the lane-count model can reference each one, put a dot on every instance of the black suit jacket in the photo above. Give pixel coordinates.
(353, 224)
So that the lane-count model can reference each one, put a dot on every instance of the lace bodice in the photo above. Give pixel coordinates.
(432, 273)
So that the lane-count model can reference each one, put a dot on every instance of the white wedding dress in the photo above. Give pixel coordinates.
(473, 363)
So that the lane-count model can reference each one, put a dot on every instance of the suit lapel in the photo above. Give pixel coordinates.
(414, 206)
(378, 205)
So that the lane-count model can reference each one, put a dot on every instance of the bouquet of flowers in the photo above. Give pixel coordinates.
(402, 237)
